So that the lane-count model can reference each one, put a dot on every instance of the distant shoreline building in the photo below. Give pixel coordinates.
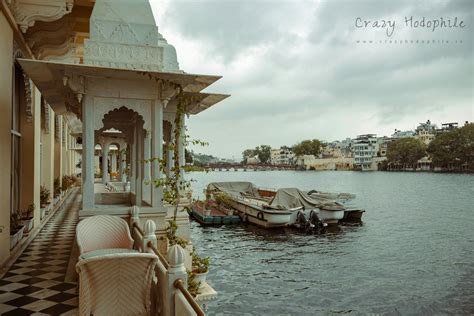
(426, 132)
(281, 156)
(366, 150)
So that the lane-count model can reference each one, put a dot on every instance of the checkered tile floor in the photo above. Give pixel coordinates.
(36, 283)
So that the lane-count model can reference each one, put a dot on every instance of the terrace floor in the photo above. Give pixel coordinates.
(43, 280)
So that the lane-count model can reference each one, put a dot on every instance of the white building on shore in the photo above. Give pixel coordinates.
(366, 149)
(426, 132)
(281, 156)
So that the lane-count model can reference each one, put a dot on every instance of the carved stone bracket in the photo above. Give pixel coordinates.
(46, 117)
(57, 130)
(27, 12)
(28, 98)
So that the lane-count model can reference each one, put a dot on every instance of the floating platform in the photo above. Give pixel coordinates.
(217, 215)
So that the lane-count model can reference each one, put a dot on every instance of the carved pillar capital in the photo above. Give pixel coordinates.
(28, 98)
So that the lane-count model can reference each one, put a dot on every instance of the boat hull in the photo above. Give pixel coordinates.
(260, 216)
(213, 216)
(330, 216)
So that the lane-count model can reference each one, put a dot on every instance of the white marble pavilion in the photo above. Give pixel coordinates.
(92, 87)
(129, 81)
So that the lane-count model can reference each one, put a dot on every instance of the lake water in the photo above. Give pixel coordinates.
(413, 254)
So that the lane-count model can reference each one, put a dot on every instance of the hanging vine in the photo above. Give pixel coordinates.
(174, 183)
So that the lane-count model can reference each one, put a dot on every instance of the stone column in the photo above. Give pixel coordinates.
(157, 152)
(123, 164)
(58, 151)
(88, 144)
(97, 167)
(139, 140)
(146, 183)
(133, 169)
(105, 163)
(181, 145)
(170, 151)
(47, 156)
(114, 161)
(64, 155)
(30, 155)
(71, 154)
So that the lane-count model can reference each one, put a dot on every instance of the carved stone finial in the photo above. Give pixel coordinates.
(135, 211)
(176, 256)
(150, 228)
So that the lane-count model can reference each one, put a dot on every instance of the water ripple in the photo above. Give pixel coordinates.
(412, 256)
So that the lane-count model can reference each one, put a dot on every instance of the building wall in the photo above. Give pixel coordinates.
(6, 64)
(30, 153)
(341, 163)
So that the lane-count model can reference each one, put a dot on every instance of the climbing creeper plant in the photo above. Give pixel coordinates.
(175, 183)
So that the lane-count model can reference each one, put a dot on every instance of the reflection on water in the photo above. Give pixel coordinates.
(412, 255)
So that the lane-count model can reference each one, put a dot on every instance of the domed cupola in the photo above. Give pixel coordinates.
(123, 34)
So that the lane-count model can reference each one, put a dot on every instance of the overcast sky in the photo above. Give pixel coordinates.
(295, 70)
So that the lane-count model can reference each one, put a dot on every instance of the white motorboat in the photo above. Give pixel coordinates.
(276, 208)
(252, 207)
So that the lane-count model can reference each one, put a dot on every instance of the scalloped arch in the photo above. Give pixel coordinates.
(104, 106)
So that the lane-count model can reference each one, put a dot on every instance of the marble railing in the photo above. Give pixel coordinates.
(170, 296)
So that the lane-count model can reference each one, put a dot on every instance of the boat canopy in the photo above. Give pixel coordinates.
(294, 197)
(235, 189)
(284, 199)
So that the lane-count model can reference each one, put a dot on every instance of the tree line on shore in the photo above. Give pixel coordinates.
(449, 150)
(263, 152)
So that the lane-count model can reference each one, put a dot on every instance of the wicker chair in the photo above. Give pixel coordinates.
(116, 284)
(102, 232)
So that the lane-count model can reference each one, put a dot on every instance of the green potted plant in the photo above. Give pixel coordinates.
(45, 194)
(66, 183)
(173, 239)
(200, 267)
(16, 229)
(57, 190)
(27, 217)
(193, 284)
(75, 181)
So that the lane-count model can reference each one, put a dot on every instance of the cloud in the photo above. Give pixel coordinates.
(295, 71)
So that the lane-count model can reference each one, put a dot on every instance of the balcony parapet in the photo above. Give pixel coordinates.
(170, 294)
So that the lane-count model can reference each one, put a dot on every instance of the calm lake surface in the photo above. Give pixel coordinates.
(414, 253)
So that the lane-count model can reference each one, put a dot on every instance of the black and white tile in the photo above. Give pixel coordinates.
(36, 282)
